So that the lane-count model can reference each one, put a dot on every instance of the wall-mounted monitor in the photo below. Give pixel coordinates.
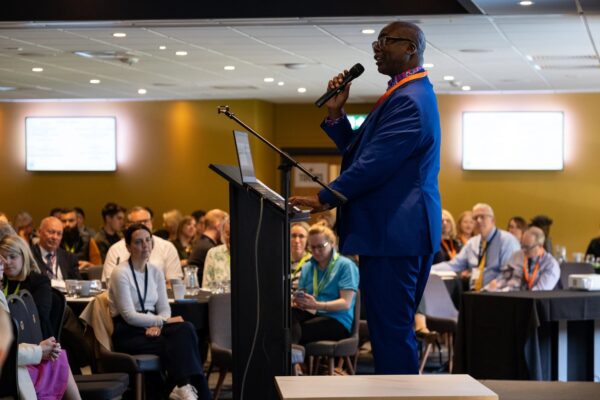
(71, 143)
(513, 141)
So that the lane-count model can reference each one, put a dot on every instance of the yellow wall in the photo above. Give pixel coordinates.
(571, 197)
(165, 147)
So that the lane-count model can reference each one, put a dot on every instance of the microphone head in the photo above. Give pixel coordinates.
(356, 70)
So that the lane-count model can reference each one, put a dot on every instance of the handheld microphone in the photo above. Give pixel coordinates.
(354, 72)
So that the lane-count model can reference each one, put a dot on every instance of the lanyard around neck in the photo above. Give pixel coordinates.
(319, 284)
(534, 274)
(450, 250)
(483, 250)
(142, 300)
(301, 263)
(16, 291)
(397, 85)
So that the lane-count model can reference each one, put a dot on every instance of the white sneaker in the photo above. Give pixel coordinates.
(187, 392)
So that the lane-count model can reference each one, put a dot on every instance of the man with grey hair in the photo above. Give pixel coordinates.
(6, 229)
(163, 256)
(531, 268)
(481, 259)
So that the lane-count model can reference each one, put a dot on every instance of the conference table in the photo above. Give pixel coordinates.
(546, 335)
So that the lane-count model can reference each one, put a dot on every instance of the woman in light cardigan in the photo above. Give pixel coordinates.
(45, 362)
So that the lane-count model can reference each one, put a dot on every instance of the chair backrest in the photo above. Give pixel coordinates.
(567, 269)
(57, 312)
(219, 319)
(94, 272)
(437, 300)
(30, 330)
(356, 320)
(9, 386)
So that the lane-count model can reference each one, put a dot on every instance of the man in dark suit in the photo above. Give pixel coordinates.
(392, 218)
(54, 261)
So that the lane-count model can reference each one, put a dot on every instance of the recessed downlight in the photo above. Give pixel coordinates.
(268, 79)
(119, 34)
(37, 69)
(368, 31)
(162, 47)
(428, 65)
(142, 91)
(526, 3)
(466, 88)
(301, 90)
(181, 53)
(280, 83)
(448, 78)
(94, 81)
(537, 67)
(229, 67)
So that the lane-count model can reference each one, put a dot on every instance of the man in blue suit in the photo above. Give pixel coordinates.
(392, 218)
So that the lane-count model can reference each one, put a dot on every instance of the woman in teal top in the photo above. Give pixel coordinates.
(324, 303)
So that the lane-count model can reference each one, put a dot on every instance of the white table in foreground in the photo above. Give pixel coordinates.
(390, 387)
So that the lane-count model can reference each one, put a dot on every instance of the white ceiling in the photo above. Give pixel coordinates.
(551, 46)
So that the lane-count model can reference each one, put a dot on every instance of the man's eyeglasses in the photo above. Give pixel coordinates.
(318, 247)
(384, 40)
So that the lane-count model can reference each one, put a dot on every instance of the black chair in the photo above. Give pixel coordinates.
(567, 269)
(219, 325)
(330, 349)
(57, 312)
(93, 272)
(9, 384)
(440, 312)
(28, 323)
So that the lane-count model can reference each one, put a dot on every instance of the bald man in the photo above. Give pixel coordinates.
(54, 261)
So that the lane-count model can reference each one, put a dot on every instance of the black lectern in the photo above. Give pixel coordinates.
(260, 291)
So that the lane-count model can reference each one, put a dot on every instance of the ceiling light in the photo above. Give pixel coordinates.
(142, 91)
(229, 67)
(428, 65)
(7, 88)
(119, 34)
(301, 90)
(368, 31)
(37, 69)
(280, 83)
(537, 67)
(162, 47)
(526, 3)
(269, 79)
(448, 78)
(466, 88)
(530, 58)
(94, 81)
(181, 53)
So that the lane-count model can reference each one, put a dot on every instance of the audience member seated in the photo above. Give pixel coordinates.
(594, 248)
(171, 220)
(21, 272)
(210, 238)
(163, 255)
(217, 269)
(3, 217)
(52, 260)
(481, 258)
(113, 216)
(327, 218)
(85, 230)
(199, 217)
(142, 317)
(465, 228)
(81, 244)
(43, 370)
(530, 268)
(298, 251)
(544, 222)
(186, 232)
(23, 224)
(450, 245)
(516, 226)
(323, 305)
(6, 229)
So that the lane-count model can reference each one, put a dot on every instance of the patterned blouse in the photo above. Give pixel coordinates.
(217, 266)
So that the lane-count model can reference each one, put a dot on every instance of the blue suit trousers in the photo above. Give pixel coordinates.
(392, 288)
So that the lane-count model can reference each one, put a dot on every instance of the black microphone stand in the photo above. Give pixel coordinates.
(285, 167)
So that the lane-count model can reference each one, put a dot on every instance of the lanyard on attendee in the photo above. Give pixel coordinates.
(484, 245)
(391, 90)
(301, 263)
(450, 250)
(318, 285)
(142, 300)
(16, 291)
(534, 274)
(70, 249)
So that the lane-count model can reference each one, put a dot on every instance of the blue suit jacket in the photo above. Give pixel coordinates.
(389, 175)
